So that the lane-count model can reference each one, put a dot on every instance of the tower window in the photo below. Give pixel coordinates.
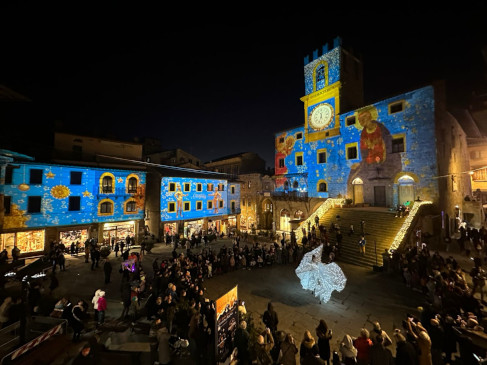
(322, 187)
(35, 176)
(299, 160)
(350, 120)
(281, 162)
(76, 177)
(322, 157)
(352, 153)
(320, 74)
(299, 135)
(74, 203)
(34, 204)
(396, 107)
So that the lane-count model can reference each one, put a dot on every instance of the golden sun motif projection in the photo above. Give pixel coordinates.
(60, 192)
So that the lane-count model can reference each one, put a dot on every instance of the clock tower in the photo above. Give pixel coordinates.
(333, 84)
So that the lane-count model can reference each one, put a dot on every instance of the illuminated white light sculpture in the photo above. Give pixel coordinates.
(321, 278)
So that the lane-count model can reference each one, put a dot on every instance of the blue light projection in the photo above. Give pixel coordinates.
(194, 198)
(376, 145)
(44, 195)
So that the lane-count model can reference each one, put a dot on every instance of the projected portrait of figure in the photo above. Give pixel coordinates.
(322, 279)
(179, 200)
(216, 197)
(372, 145)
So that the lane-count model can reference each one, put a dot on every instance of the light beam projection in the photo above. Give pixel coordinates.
(322, 279)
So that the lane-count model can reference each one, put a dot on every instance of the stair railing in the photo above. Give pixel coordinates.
(322, 209)
(407, 225)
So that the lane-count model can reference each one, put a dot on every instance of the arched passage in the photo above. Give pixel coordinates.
(358, 191)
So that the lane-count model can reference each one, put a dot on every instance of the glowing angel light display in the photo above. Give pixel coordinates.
(318, 277)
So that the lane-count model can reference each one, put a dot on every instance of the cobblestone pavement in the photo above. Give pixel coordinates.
(368, 296)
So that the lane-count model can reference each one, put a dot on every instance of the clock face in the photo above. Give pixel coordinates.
(321, 116)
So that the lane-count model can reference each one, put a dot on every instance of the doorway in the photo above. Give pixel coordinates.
(358, 191)
(379, 196)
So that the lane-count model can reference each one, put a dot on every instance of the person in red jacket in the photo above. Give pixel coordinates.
(102, 306)
(363, 344)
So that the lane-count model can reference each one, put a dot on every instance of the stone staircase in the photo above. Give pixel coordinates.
(381, 226)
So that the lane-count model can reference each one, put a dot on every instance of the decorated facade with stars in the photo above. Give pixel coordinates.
(80, 199)
(393, 152)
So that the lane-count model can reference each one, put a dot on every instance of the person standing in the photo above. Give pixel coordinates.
(406, 354)
(242, 338)
(348, 351)
(361, 245)
(308, 347)
(324, 335)
(94, 301)
(77, 320)
(102, 306)
(117, 248)
(263, 347)
(362, 227)
(270, 318)
(61, 260)
(107, 269)
(379, 354)
(363, 345)
(288, 351)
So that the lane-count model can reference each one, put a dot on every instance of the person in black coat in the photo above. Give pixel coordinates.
(406, 353)
(107, 269)
(270, 318)
(117, 248)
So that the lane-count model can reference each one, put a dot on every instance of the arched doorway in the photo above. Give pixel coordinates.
(405, 189)
(267, 209)
(358, 191)
(284, 224)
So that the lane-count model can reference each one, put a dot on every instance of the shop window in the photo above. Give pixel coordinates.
(7, 201)
(322, 187)
(209, 187)
(199, 187)
(209, 204)
(321, 156)
(171, 207)
(396, 107)
(352, 153)
(187, 186)
(281, 162)
(130, 206)
(106, 207)
(397, 144)
(107, 185)
(34, 204)
(220, 204)
(199, 205)
(132, 185)
(35, 176)
(351, 120)
(299, 159)
(74, 203)
(295, 185)
(186, 206)
(75, 178)
(172, 186)
(232, 189)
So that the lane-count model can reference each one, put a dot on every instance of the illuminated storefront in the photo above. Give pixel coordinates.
(73, 235)
(170, 228)
(191, 227)
(119, 231)
(28, 242)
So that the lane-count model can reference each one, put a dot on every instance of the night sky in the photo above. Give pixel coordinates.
(217, 84)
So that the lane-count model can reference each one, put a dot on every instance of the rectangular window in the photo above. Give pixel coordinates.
(281, 162)
(396, 107)
(281, 140)
(299, 135)
(209, 187)
(243, 202)
(187, 187)
(221, 187)
(34, 204)
(299, 159)
(232, 189)
(480, 175)
(186, 206)
(199, 187)
(233, 205)
(210, 204)
(7, 201)
(350, 120)
(172, 186)
(74, 203)
(9, 171)
(171, 207)
(76, 177)
(199, 205)
(35, 176)
(352, 152)
(321, 156)
(220, 204)
(397, 144)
